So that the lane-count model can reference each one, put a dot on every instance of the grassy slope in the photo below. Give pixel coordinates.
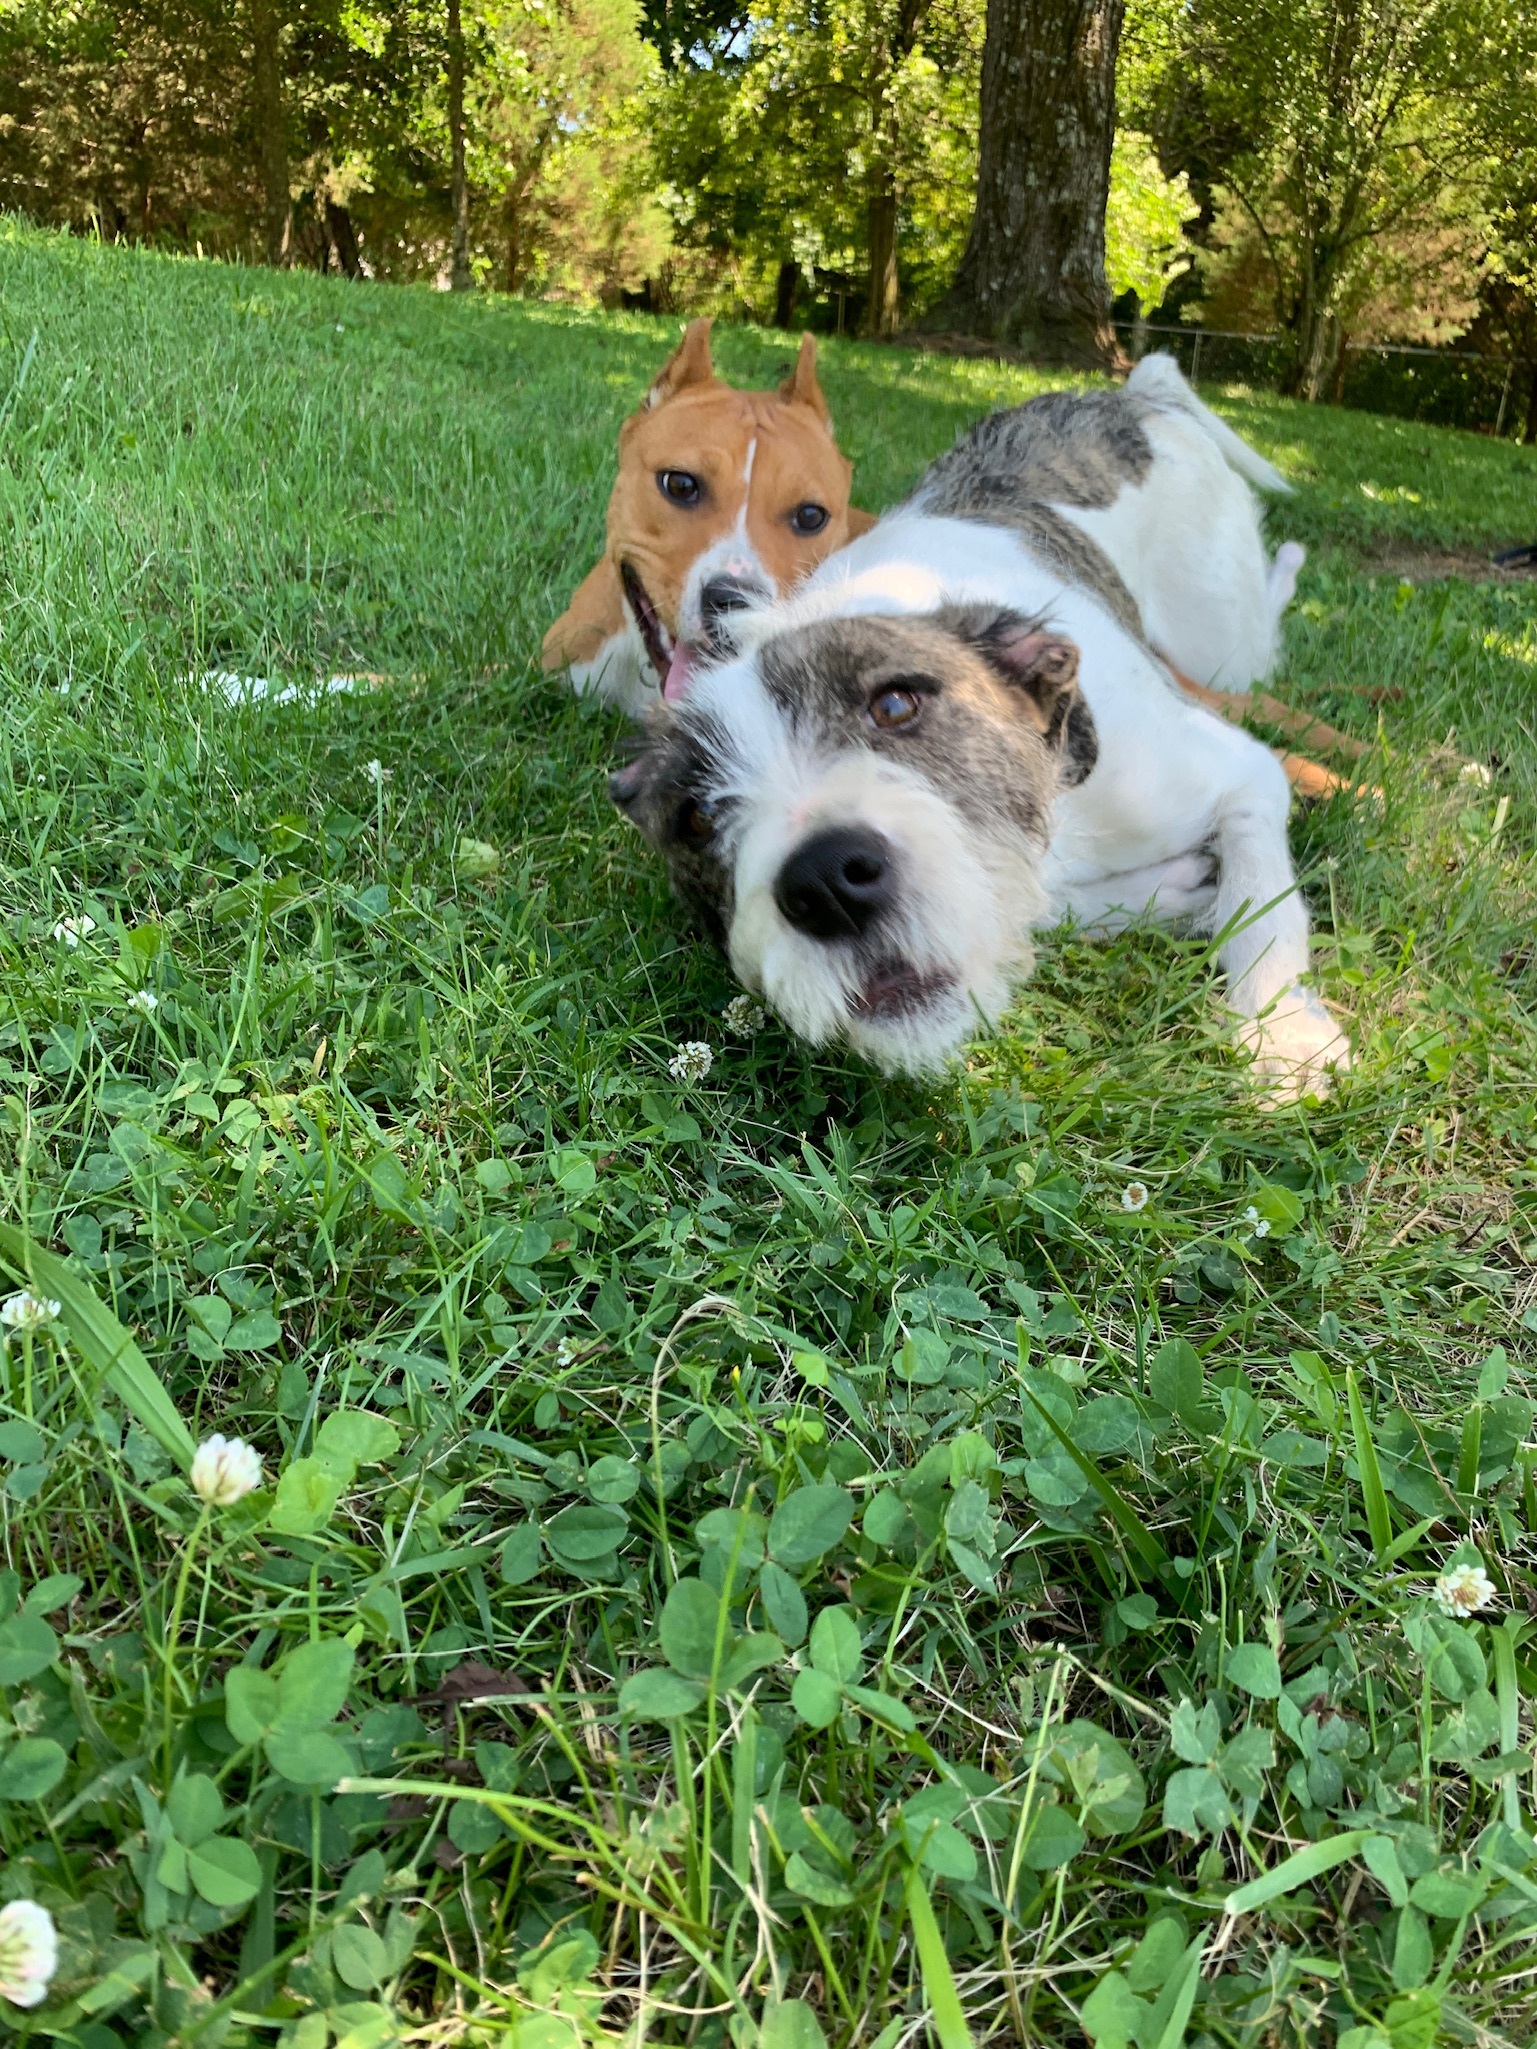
(399, 1139)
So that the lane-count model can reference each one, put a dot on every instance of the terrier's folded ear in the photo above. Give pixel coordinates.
(1042, 668)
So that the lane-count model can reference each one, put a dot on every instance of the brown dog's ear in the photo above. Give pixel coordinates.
(688, 364)
(1043, 667)
(801, 387)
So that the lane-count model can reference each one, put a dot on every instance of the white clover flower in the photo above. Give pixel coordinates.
(692, 1061)
(70, 931)
(565, 1353)
(29, 1952)
(1463, 1590)
(1262, 1228)
(25, 1311)
(1477, 772)
(743, 1016)
(225, 1470)
(377, 773)
(1134, 1195)
(1251, 1216)
(144, 1001)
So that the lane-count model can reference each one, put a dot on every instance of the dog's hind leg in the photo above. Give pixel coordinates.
(1167, 891)
(1262, 925)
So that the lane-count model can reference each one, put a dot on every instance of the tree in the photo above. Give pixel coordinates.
(1354, 138)
(1034, 268)
(554, 164)
(1510, 278)
(893, 37)
(838, 138)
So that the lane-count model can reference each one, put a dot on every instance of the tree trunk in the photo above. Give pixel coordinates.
(515, 222)
(883, 311)
(786, 293)
(892, 46)
(344, 239)
(882, 306)
(1316, 333)
(1341, 365)
(1318, 343)
(1034, 268)
(459, 275)
(271, 128)
(1529, 431)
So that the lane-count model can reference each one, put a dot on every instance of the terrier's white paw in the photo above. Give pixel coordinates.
(1297, 1047)
(1281, 584)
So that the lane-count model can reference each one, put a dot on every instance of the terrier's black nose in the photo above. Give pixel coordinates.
(723, 594)
(834, 885)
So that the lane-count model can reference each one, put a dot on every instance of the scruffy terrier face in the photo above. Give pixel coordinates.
(857, 811)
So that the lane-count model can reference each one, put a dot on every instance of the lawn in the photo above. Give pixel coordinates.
(787, 1558)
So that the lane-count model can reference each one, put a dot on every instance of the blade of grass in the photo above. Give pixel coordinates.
(1178, 1998)
(1295, 1870)
(1405, 1543)
(1508, 1697)
(1472, 1444)
(1378, 1520)
(1147, 1545)
(102, 1342)
(950, 2029)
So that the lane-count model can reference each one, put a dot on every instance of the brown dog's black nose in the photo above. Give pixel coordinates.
(834, 885)
(725, 594)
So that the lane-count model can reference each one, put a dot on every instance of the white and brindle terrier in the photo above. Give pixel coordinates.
(955, 734)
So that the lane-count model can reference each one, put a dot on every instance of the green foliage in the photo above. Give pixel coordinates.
(1352, 153)
(814, 1524)
(767, 153)
(1145, 222)
(142, 119)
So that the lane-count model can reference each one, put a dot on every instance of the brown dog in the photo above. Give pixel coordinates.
(723, 496)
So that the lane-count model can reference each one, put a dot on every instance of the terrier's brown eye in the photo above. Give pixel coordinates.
(809, 518)
(695, 823)
(679, 487)
(894, 708)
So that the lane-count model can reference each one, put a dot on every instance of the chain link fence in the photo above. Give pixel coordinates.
(1445, 387)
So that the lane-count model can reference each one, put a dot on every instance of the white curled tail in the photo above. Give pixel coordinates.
(1160, 381)
(1281, 584)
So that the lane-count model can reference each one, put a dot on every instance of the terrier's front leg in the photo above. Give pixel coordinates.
(1296, 1041)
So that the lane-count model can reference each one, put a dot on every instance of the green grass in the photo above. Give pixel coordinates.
(788, 1557)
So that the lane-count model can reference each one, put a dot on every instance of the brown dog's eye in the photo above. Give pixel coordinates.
(809, 518)
(695, 823)
(894, 708)
(679, 487)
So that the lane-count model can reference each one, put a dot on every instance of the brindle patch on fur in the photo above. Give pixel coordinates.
(1066, 448)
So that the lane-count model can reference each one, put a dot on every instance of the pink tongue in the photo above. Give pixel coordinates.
(679, 670)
